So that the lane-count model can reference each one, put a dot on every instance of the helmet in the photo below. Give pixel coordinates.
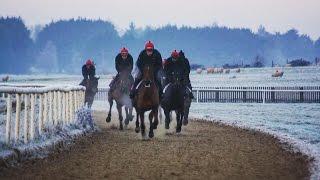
(124, 50)
(89, 62)
(149, 46)
(175, 54)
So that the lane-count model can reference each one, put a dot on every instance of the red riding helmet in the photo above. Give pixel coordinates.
(175, 54)
(124, 51)
(89, 62)
(149, 46)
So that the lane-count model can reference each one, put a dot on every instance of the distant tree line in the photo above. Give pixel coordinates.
(62, 46)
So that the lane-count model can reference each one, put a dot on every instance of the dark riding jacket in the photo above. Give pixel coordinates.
(155, 60)
(124, 64)
(174, 68)
(88, 71)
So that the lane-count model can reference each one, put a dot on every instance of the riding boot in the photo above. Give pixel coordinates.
(160, 90)
(114, 80)
(189, 90)
(133, 88)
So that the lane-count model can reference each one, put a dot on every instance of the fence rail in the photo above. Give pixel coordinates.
(303, 94)
(42, 107)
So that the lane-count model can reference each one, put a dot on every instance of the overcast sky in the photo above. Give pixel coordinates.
(275, 15)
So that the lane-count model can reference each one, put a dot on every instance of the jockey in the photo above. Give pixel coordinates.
(88, 71)
(148, 56)
(123, 62)
(173, 66)
(186, 73)
(178, 65)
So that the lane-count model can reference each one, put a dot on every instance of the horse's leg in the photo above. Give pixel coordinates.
(160, 114)
(130, 114)
(137, 122)
(179, 120)
(119, 108)
(167, 120)
(143, 126)
(151, 116)
(126, 121)
(187, 104)
(110, 99)
(156, 119)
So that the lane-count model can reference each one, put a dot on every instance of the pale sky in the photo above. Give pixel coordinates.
(275, 15)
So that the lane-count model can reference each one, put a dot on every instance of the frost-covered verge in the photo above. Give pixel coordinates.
(51, 139)
(295, 124)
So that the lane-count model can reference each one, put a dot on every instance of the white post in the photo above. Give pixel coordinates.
(197, 96)
(63, 107)
(8, 123)
(70, 107)
(264, 97)
(55, 108)
(50, 109)
(45, 109)
(32, 116)
(17, 123)
(40, 114)
(67, 108)
(59, 106)
(75, 100)
(26, 125)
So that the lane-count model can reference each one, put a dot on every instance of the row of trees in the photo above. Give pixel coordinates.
(64, 45)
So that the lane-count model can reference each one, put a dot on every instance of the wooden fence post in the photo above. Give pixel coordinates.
(26, 119)
(8, 122)
(301, 94)
(17, 122)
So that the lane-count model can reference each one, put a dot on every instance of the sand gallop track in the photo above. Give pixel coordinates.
(203, 151)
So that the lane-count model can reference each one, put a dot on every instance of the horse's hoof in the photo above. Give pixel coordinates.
(137, 130)
(167, 126)
(108, 119)
(178, 130)
(185, 122)
(155, 126)
(151, 134)
(126, 121)
(121, 127)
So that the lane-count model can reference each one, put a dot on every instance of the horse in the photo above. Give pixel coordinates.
(91, 90)
(174, 100)
(146, 99)
(120, 94)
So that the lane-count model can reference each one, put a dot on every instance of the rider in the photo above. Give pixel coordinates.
(173, 67)
(152, 57)
(186, 73)
(123, 62)
(177, 65)
(88, 72)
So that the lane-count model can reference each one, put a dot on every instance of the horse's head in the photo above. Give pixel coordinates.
(177, 78)
(148, 73)
(124, 81)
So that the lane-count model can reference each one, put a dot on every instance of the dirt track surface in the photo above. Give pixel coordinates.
(203, 151)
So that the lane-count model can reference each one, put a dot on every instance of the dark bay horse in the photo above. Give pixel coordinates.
(174, 100)
(120, 94)
(146, 99)
(91, 90)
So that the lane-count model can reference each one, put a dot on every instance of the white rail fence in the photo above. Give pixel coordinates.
(304, 94)
(31, 110)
